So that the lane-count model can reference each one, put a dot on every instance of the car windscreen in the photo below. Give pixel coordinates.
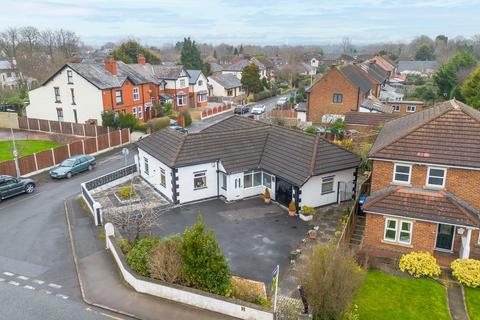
(67, 163)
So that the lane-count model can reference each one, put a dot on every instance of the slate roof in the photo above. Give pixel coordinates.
(357, 77)
(244, 144)
(384, 63)
(193, 75)
(418, 66)
(228, 81)
(238, 66)
(372, 119)
(446, 134)
(265, 61)
(301, 107)
(437, 206)
(215, 67)
(375, 72)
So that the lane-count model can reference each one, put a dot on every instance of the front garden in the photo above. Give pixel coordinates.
(24, 148)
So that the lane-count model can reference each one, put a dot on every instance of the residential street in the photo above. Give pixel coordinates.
(34, 248)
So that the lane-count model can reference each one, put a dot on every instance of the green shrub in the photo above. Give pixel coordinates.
(126, 192)
(264, 95)
(165, 262)
(188, 118)
(419, 264)
(125, 245)
(467, 272)
(158, 123)
(311, 130)
(249, 291)
(137, 256)
(307, 211)
(167, 108)
(204, 265)
(142, 127)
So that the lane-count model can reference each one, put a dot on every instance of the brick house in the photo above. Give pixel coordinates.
(425, 191)
(403, 107)
(340, 90)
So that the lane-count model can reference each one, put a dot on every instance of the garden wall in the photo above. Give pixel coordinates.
(188, 296)
(213, 111)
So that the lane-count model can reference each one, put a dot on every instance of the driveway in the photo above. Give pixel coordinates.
(254, 237)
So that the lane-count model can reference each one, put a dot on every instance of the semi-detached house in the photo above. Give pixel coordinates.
(239, 157)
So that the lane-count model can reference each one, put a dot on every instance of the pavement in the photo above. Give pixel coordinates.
(101, 281)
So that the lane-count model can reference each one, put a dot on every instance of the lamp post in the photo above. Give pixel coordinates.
(14, 151)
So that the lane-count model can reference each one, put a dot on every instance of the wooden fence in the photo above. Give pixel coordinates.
(61, 127)
(209, 112)
(45, 159)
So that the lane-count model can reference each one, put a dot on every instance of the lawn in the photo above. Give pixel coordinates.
(383, 296)
(473, 303)
(24, 147)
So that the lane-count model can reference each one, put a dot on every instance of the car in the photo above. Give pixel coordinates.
(72, 166)
(179, 128)
(282, 101)
(241, 109)
(11, 186)
(258, 109)
(320, 129)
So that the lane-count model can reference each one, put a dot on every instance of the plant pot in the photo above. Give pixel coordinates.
(312, 234)
(306, 218)
(267, 200)
(292, 213)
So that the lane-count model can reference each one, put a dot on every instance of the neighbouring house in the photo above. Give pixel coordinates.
(340, 90)
(403, 107)
(215, 69)
(386, 65)
(306, 69)
(225, 85)
(240, 157)
(301, 109)
(377, 76)
(390, 93)
(266, 64)
(314, 62)
(365, 122)
(425, 194)
(425, 68)
(374, 105)
(237, 68)
(198, 92)
(9, 75)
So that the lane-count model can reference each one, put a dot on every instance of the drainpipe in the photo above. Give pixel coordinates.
(218, 182)
(297, 199)
(111, 98)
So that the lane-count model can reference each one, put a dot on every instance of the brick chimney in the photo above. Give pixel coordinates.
(141, 59)
(111, 65)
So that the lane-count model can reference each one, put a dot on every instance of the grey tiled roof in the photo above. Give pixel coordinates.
(356, 76)
(419, 66)
(238, 66)
(193, 75)
(375, 72)
(228, 81)
(243, 144)
(376, 105)
(215, 67)
(372, 119)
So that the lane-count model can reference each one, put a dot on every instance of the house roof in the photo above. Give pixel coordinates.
(375, 72)
(267, 63)
(373, 119)
(437, 206)
(228, 81)
(373, 104)
(238, 66)
(244, 144)
(357, 77)
(447, 134)
(384, 63)
(5, 65)
(301, 107)
(215, 67)
(418, 66)
(193, 75)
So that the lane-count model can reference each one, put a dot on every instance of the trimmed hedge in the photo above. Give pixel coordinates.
(158, 123)
(467, 272)
(419, 264)
(264, 95)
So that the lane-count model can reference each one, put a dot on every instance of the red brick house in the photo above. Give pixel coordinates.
(425, 185)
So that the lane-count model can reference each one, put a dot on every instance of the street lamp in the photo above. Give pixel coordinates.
(15, 151)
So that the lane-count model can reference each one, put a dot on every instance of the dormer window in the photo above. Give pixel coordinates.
(182, 83)
(69, 76)
(200, 82)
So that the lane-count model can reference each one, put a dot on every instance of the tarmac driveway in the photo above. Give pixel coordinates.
(254, 237)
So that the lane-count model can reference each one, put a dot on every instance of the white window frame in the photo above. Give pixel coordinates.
(444, 177)
(223, 180)
(398, 230)
(202, 97)
(396, 108)
(134, 111)
(264, 176)
(395, 171)
(146, 169)
(140, 112)
(252, 173)
(181, 100)
(136, 95)
(200, 175)
(182, 83)
(163, 178)
(118, 97)
(56, 92)
(411, 109)
(324, 181)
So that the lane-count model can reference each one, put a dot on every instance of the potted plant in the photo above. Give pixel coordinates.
(292, 209)
(266, 196)
(306, 214)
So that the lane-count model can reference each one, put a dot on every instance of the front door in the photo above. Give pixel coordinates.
(238, 187)
(283, 192)
(445, 234)
(192, 102)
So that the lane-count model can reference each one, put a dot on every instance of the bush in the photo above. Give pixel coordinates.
(188, 118)
(311, 130)
(249, 291)
(125, 120)
(167, 108)
(142, 127)
(264, 95)
(126, 192)
(158, 123)
(419, 264)
(165, 262)
(125, 245)
(204, 265)
(137, 256)
(307, 211)
(467, 272)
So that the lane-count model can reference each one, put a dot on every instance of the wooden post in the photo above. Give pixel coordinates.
(83, 146)
(83, 126)
(121, 139)
(53, 157)
(36, 162)
(49, 126)
(68, 147)
(108, 135)
(38, 123)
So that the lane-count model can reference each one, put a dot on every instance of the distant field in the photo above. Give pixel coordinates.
(24, 147)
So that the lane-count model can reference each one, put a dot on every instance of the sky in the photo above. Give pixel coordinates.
(263, 22)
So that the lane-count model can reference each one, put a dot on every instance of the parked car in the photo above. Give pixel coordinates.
(282, 101)
(72, 166)
(241, 109)
(10, 186)
(258, 109)
(320, 129)
(179, 128)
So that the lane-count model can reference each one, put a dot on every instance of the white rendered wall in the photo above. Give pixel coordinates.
(153, 177)
(186, 188)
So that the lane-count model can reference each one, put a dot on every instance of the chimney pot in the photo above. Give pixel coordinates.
(111, 65)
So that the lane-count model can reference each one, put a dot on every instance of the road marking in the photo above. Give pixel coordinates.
(23, 278)
(110, 316)
(9, 274)
(46, 291)
(38, 281)
(62, 296)
(53, 285)
(29, 287)
(13, 283)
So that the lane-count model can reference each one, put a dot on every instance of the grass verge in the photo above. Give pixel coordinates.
(24, 147)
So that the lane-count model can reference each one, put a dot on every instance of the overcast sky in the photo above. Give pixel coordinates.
(156, 22)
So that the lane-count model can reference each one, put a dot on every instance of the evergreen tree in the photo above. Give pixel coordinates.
(190, 55)
(129, 51)
(251, 79)
(471, 89)
(215, 54)
(446, 78)
(241, 49)
(235, 52)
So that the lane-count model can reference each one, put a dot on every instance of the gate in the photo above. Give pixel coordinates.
(345, 191)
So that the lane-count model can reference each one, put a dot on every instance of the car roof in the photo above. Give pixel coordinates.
(4, 176)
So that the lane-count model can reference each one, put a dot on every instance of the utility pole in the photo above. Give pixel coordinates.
(15, 151)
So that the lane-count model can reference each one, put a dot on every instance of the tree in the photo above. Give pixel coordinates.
(235, 52)
(215, 54)
(128, 52)
(251, 79)
(347, 47)
(450, 75)
(471, 89)
(328, 291)
(204, 265)
(190, 55)
(240, 51)
(425, 53)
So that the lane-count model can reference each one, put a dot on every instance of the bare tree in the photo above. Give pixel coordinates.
(10, 39)
(347, 46)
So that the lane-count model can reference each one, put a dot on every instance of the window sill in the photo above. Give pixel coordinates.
(398, 183)
(397, 243)
(195, 189)
(429, 187)
(324, 193)
(443, 250)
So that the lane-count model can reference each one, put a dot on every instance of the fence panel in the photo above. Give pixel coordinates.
(125, 136)
(44, 159)
(102, 142)
(33, 124)
(90, 145)
(23, 123)
(27, 164)
(90, 130)
(76, 148)
(114, 138)
(44, 125)
(66, 128)
(61, 153)
(77, 129)
(55, 126)
(8, 168)
(102, 130)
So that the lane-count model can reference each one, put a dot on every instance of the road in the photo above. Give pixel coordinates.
(34, 248)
